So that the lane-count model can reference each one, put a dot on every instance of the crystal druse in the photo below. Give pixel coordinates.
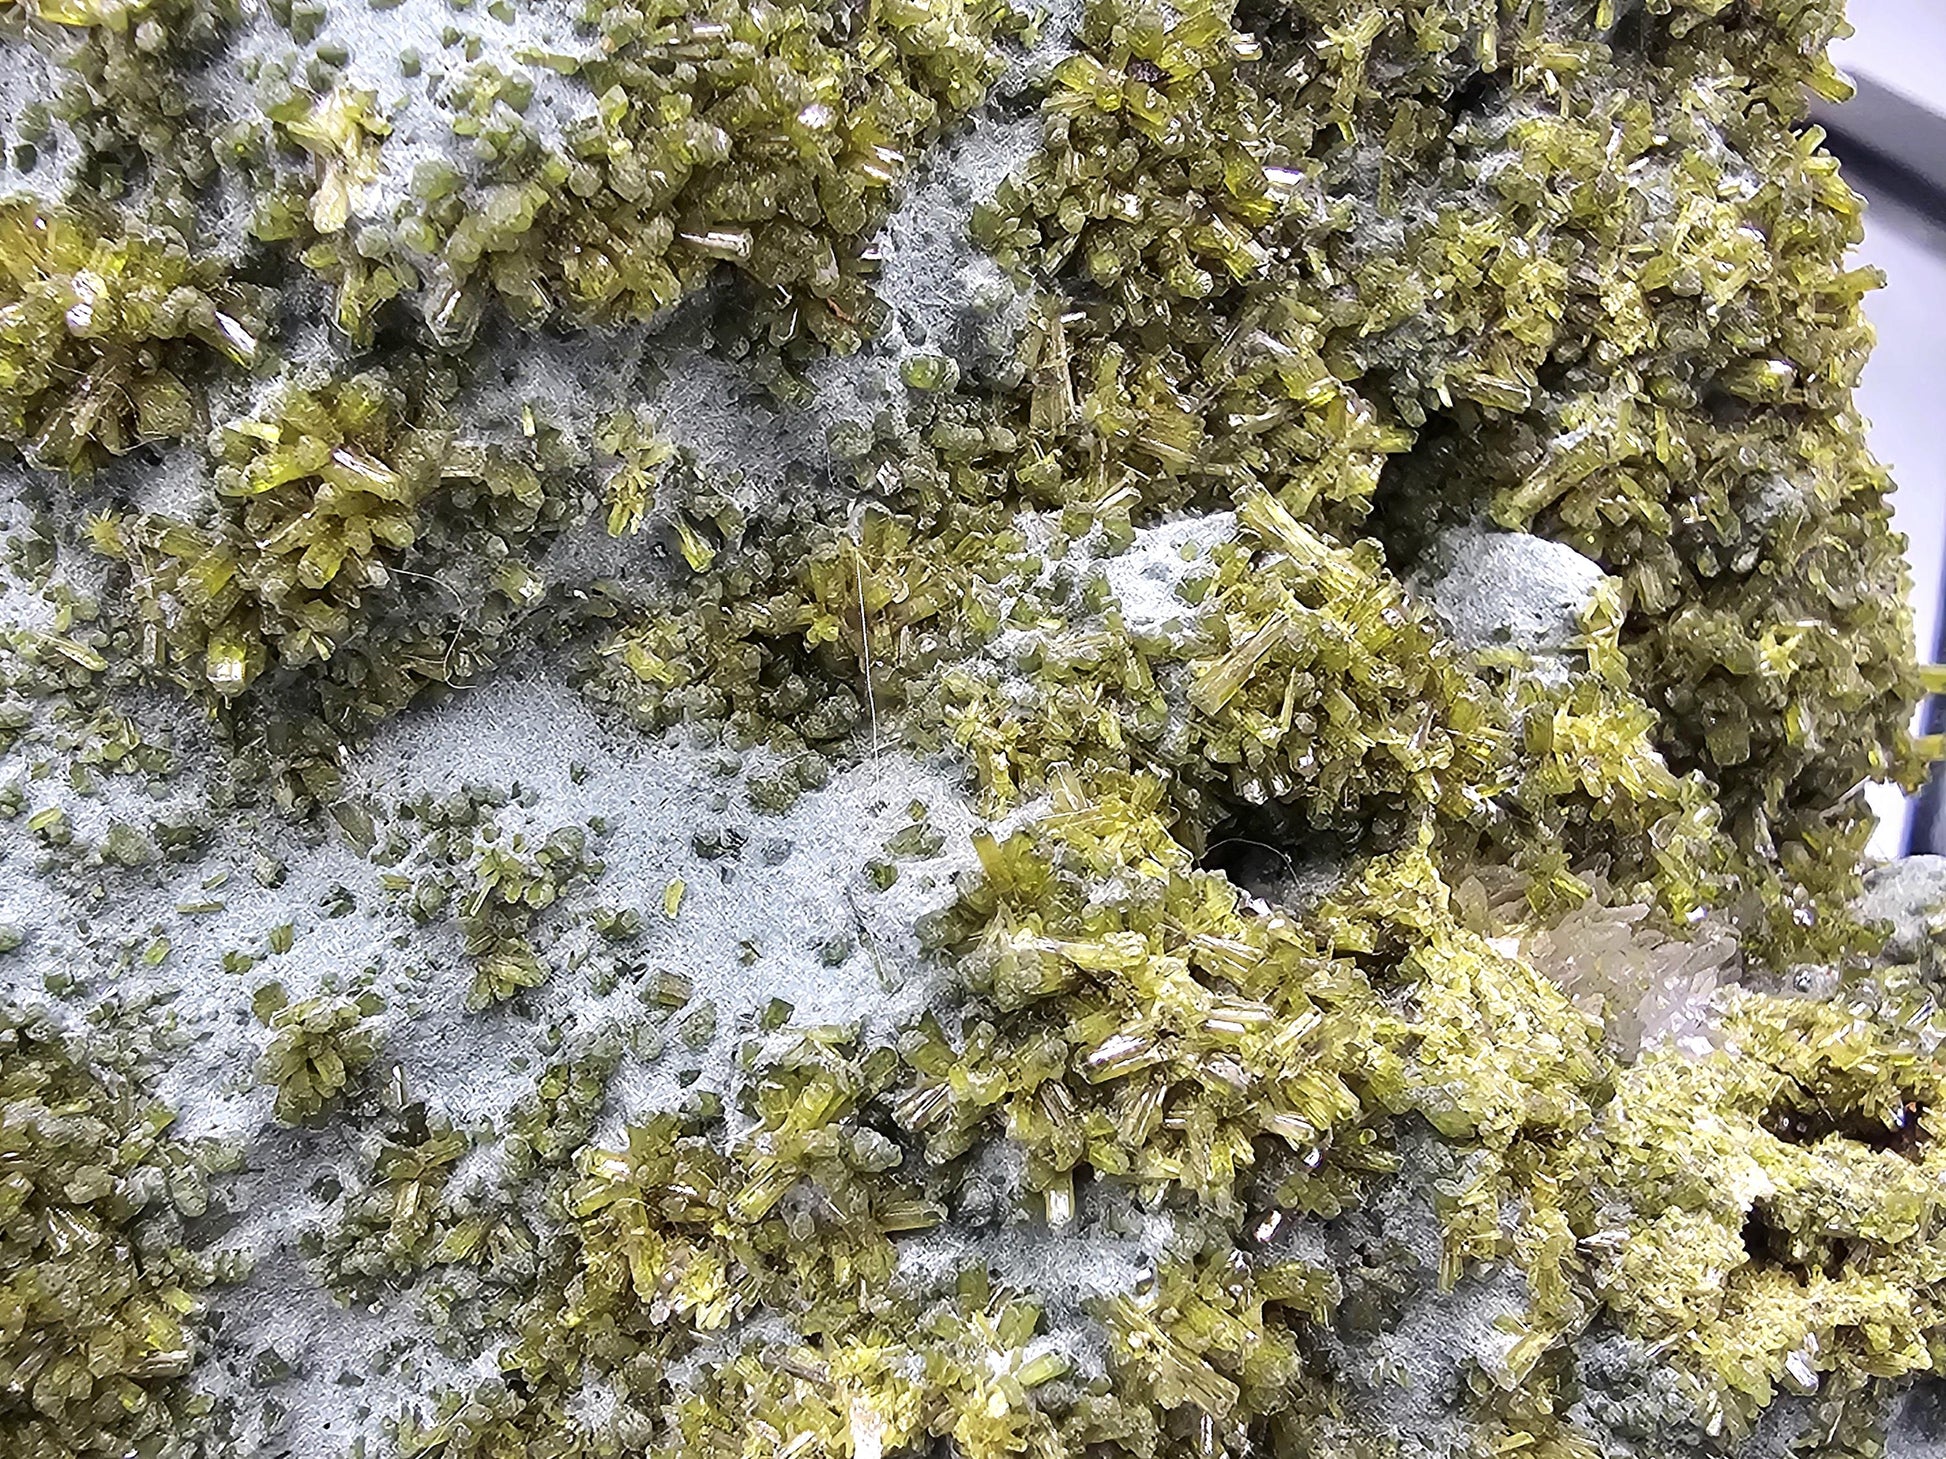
(776, 729)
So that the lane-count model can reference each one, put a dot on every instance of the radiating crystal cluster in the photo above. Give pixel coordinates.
(1359, 500)
(101, 327)
(322, 499)
(316, 1048)
(98, 1297)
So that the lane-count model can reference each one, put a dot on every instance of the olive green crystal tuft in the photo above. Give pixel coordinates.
(317, 1047)
(99, 1295)
(107, 334)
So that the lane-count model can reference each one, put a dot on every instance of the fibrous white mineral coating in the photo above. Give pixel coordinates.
(1918, 1423)
(33, 74)
(1631, 1400)
(749, 929)
(748, 445)
(945, 294)
(25, 605)
(586, 555)
(568, 382)
(1788, 1427)
(1492, 589)
(1062, 1269)
(171, 480)
(571, 384)
(1910, 894)
(1147, 579)
(1408, 1380)
(1028, 70)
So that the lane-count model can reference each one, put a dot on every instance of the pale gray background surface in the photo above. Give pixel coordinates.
(1898, 59)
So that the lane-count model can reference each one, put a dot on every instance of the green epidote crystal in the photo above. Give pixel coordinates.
(106, 333)
(1331, 1059)
(765, 140)
(322, 501)
(99, 1295)
(317, 1047)
(123, 90)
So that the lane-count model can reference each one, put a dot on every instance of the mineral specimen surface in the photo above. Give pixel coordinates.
(776, 729)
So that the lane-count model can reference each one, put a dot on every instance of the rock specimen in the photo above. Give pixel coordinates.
(804, 731)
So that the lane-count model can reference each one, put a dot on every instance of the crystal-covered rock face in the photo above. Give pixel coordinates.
(825, 732)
